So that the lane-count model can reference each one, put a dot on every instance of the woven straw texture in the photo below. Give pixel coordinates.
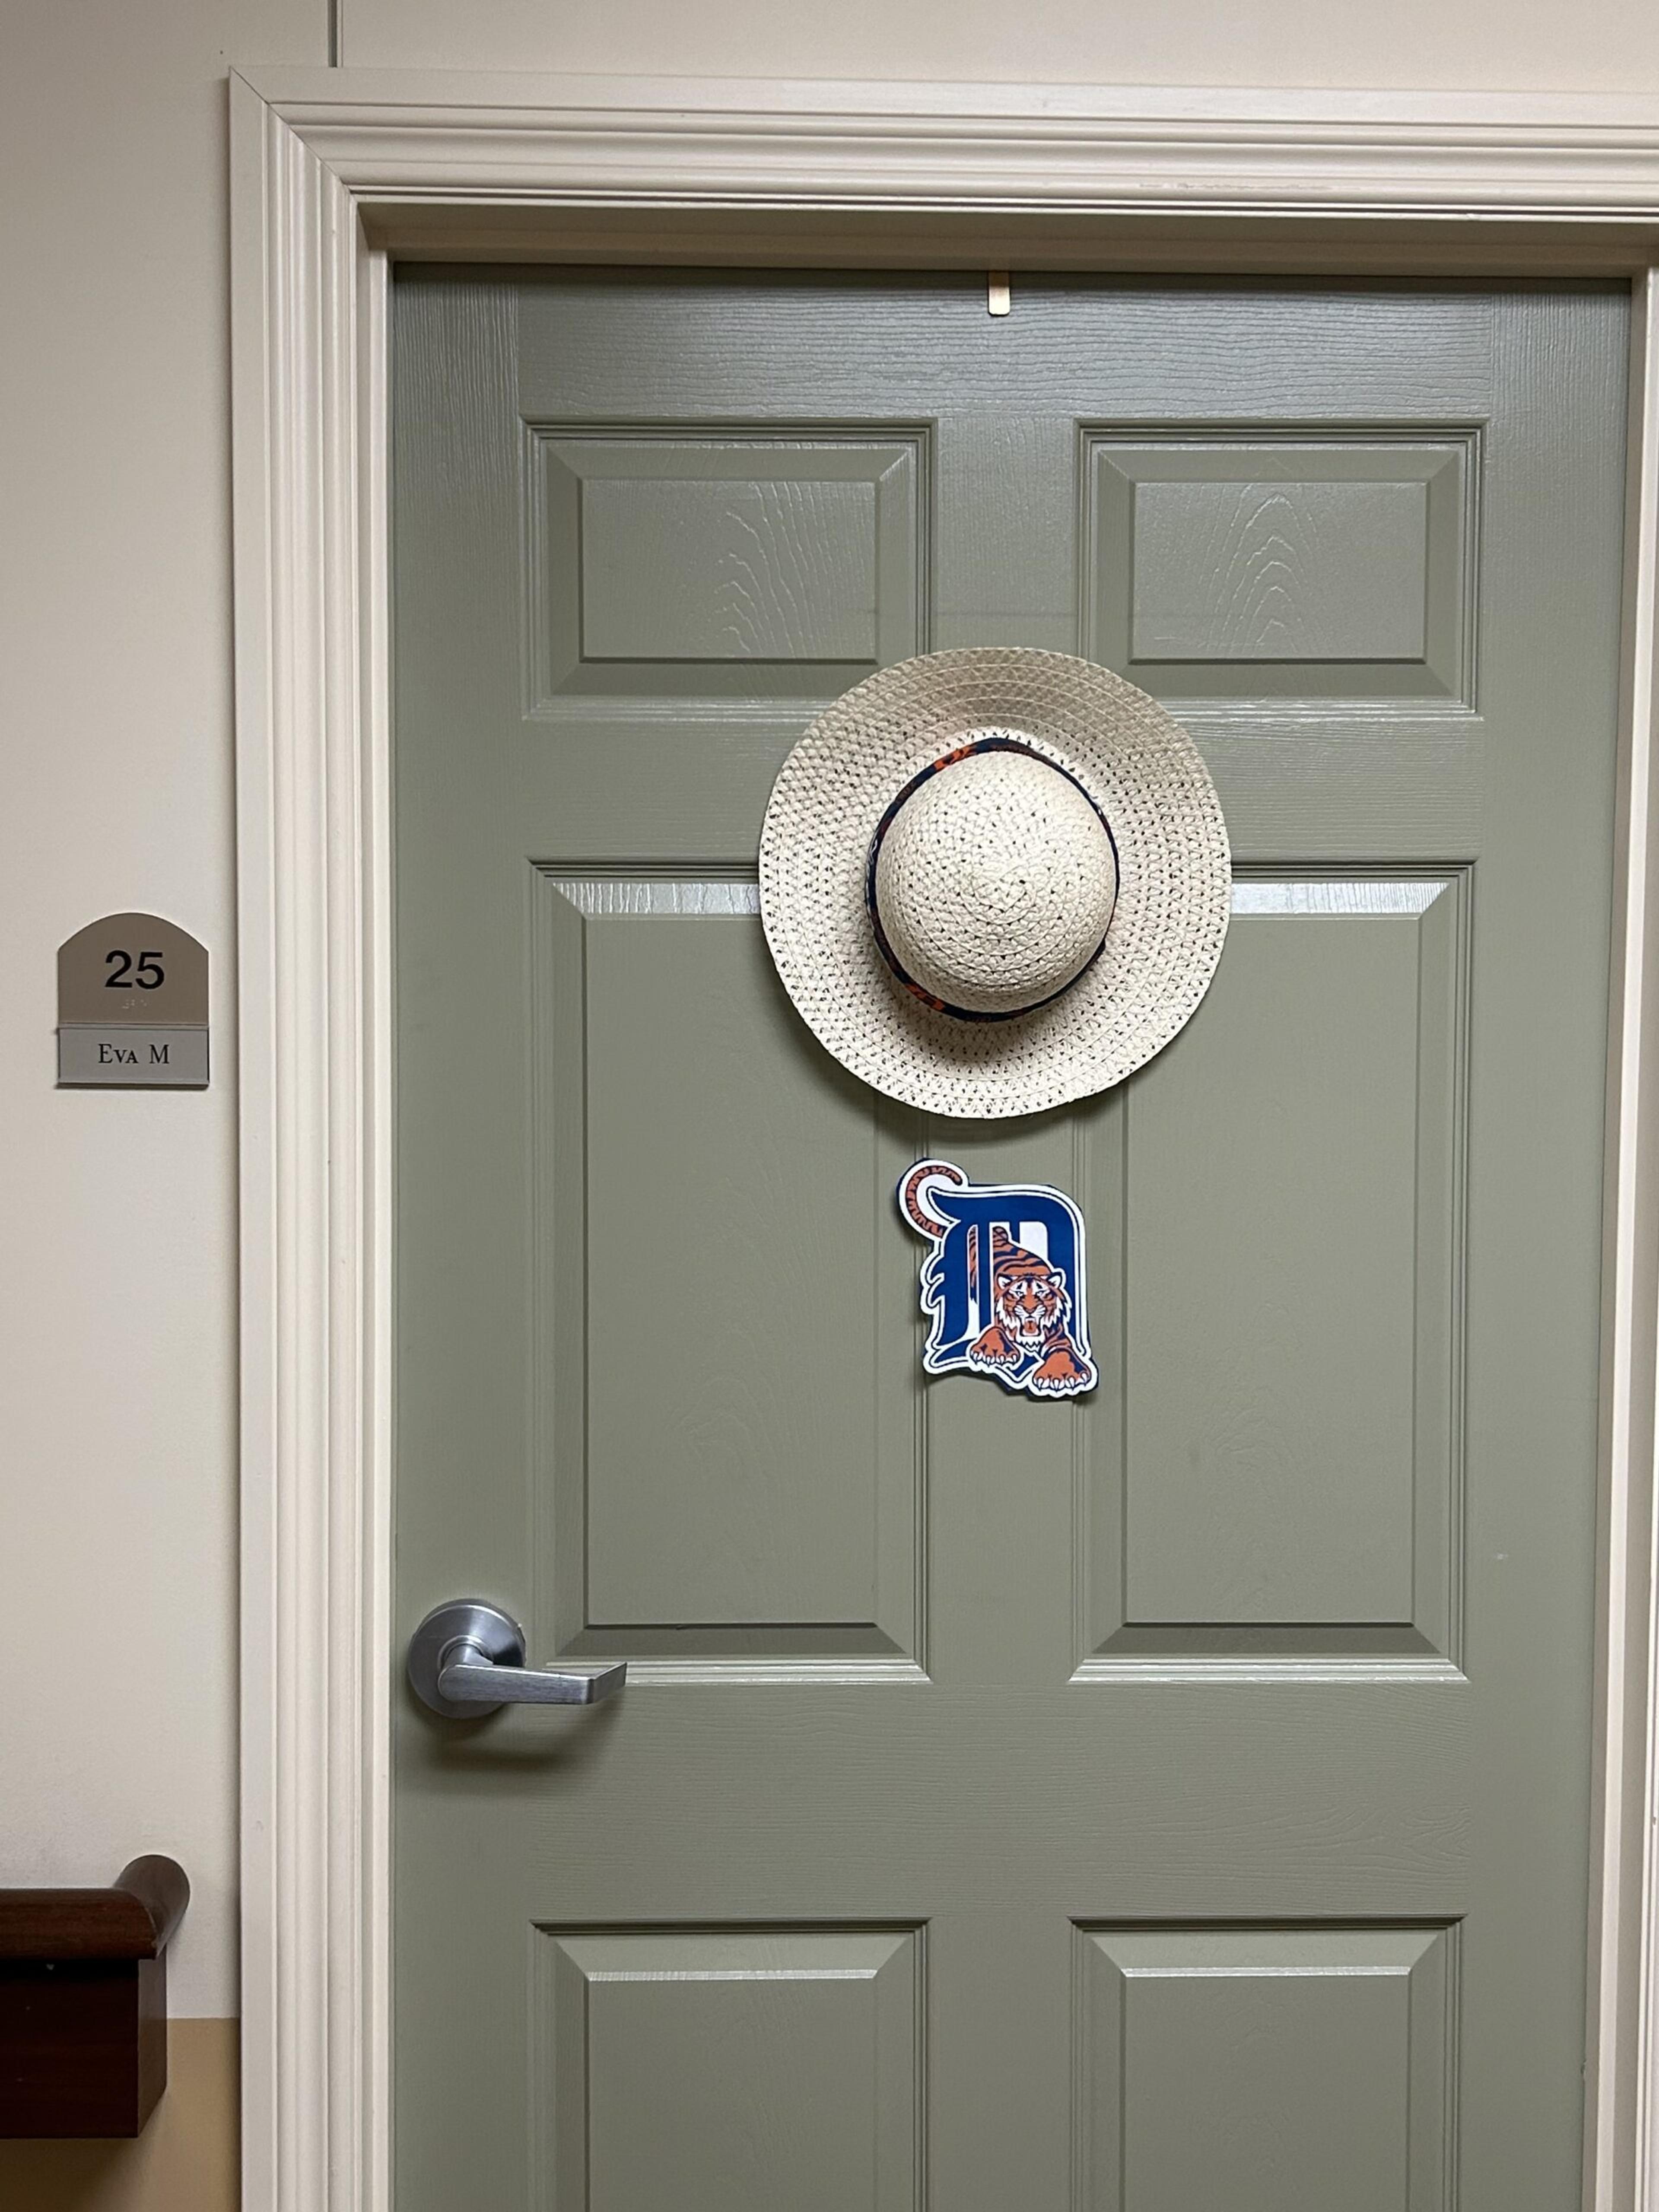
(1028, 911)
(1167, 927)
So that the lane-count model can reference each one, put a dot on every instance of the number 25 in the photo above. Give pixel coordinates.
(147, 974)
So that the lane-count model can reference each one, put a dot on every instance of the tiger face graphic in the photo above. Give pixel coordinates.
(1031, 1308)
(1025, 1327)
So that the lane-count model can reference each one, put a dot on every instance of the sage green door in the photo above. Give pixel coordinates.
(1170, 1801)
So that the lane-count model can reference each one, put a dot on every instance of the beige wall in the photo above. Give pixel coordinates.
(1609, 46)
(118, 1340)
(117, 1521)
(118, 1335)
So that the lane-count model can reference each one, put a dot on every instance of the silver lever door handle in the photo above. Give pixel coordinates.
(466, 1659)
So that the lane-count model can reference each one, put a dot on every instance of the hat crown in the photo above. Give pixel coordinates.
(995, 879)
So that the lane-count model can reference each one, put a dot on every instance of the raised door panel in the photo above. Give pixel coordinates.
(1267, 2069)
(673, 566)
(1285, 565)
(1275, 1462)
(743, 2071)
(1324, 572)
(729, 1439)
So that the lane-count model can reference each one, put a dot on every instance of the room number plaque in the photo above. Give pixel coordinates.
(132, 1005)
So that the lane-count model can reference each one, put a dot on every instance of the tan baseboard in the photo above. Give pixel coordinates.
(185, 2160)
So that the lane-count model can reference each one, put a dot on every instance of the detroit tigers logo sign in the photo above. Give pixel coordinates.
(1003, 1283)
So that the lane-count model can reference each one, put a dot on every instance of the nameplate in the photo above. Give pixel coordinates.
(132, 1005)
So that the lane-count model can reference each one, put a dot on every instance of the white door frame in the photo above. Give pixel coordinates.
(334, 174)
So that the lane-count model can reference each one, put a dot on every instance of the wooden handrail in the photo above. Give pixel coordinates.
(134, 1918)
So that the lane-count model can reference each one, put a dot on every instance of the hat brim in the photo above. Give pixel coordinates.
(1168, 925)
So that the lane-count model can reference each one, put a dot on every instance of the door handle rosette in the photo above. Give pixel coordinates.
(466, 1659)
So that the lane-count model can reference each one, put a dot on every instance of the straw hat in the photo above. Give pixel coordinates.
(994, 880)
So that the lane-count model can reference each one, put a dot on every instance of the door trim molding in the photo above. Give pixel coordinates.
(333, 174)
